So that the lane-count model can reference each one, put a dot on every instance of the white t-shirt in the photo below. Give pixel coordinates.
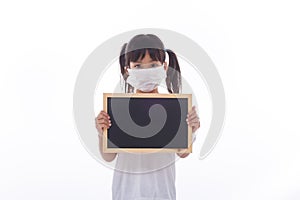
(144, 176)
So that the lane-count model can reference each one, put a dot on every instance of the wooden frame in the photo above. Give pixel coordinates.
(107, 149)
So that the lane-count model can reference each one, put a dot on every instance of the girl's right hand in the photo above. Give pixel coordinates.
(102, 121)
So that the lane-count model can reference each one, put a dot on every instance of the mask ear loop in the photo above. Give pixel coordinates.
(126, 70)
(126, 76)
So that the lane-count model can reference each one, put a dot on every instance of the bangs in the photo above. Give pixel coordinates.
(139, 54)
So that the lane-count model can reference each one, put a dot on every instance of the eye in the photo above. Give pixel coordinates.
(138, 66)
(154, 65)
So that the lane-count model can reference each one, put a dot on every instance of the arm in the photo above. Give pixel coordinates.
(183, 155)
(102, 121)
(106, 156)
(193, 121)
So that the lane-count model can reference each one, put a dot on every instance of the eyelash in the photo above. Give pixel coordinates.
(151, 65)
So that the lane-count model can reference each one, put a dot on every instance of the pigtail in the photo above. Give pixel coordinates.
(122, 62)
(173, 80)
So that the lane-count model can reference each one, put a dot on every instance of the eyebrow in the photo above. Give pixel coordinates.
(141, 62)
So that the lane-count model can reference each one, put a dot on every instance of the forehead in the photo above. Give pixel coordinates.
(146, 58)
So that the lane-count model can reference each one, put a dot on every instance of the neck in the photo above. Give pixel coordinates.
(152, 91)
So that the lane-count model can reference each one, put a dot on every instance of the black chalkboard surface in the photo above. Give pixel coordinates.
(147, 122)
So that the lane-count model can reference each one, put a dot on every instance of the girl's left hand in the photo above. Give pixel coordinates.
(193, 119)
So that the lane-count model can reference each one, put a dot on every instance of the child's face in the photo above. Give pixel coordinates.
(146, 62)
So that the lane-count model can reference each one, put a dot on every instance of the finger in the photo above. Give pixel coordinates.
(193, 118)
(189, 119)
(191, 112)
(106, 126)
(100, 129)
(103, 121)
(102, 126)
(195, 124)
(103, 116)
(100, 113)
(193, 109)
(99, 118)
(103, 113)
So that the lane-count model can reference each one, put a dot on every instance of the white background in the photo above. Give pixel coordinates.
(254, 44)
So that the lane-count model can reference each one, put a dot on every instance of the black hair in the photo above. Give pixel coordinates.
(136, 49)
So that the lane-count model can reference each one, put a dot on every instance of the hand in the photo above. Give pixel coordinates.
(193, 119)
(102, 121)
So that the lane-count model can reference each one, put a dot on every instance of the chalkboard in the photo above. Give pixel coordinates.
(147, 122)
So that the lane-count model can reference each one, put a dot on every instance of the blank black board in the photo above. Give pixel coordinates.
(144, 122)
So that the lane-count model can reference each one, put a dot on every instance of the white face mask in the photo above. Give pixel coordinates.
(147, 79)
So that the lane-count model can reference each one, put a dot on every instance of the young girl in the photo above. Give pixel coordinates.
(143, 176)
